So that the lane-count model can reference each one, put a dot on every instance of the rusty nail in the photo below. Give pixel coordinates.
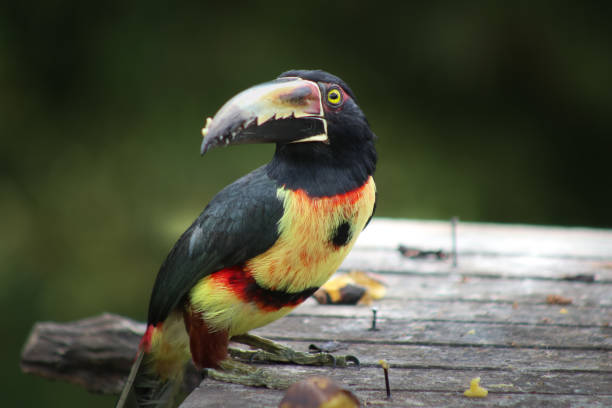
(385, 367)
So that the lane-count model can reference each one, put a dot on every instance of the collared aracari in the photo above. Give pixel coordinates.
(266, 242)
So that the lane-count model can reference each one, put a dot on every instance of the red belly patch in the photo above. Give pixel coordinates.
(245, 287)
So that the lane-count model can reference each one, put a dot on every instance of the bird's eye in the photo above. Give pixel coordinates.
(334, 97)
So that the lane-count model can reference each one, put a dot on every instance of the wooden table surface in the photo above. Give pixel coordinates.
(440, 326)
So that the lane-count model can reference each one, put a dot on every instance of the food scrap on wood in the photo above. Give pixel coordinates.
(475, 390)
(350, 289)
(558, 300)
(581, 277)
(417, 253)
(315, 392)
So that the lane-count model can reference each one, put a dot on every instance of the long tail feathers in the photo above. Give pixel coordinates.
(128, 389)
(145, 389)
(158, 376)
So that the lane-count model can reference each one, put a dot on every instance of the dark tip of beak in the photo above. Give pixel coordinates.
(206, 142)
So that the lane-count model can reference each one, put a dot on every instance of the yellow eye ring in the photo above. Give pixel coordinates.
(334, 96)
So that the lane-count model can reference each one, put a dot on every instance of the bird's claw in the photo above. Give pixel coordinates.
(345, 361)
(272, 352)
(352, 359)
(288, 356)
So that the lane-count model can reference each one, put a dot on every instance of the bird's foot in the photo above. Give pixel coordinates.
(235, 372)
(272, 352)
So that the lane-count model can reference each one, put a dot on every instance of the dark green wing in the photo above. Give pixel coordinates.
(239, 223)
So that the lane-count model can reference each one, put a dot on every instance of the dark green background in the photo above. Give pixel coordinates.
(483, 110)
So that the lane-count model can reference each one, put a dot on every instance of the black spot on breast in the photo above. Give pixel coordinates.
(342, 234)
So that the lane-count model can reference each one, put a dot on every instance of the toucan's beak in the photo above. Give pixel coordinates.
(287, 110)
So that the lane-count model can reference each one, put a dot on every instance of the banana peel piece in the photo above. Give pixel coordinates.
(350, 289)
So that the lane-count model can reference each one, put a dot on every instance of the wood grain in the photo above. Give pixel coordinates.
(439, 326)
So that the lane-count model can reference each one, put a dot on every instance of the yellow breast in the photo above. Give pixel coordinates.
(306, 253)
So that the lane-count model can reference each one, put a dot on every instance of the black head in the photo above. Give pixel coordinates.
(323, 139)
(349, 155)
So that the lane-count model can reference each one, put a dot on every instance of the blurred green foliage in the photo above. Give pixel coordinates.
(492, 111)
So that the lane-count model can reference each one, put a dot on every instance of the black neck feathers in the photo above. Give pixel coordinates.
(320, 169)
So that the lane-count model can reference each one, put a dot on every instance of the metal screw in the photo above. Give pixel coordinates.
(454, 221)
(374, 311)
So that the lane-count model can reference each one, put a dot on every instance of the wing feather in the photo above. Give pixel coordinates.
(239, 223)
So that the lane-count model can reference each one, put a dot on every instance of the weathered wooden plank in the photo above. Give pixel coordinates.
(494, 399)
(439, 326)
(477, 358)
(317, 328)
(96, 353)
(524, 291)
(483, 238)
(216, 394)
(466, 312)
(428, 379)
(489, 265)
(368, 382)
